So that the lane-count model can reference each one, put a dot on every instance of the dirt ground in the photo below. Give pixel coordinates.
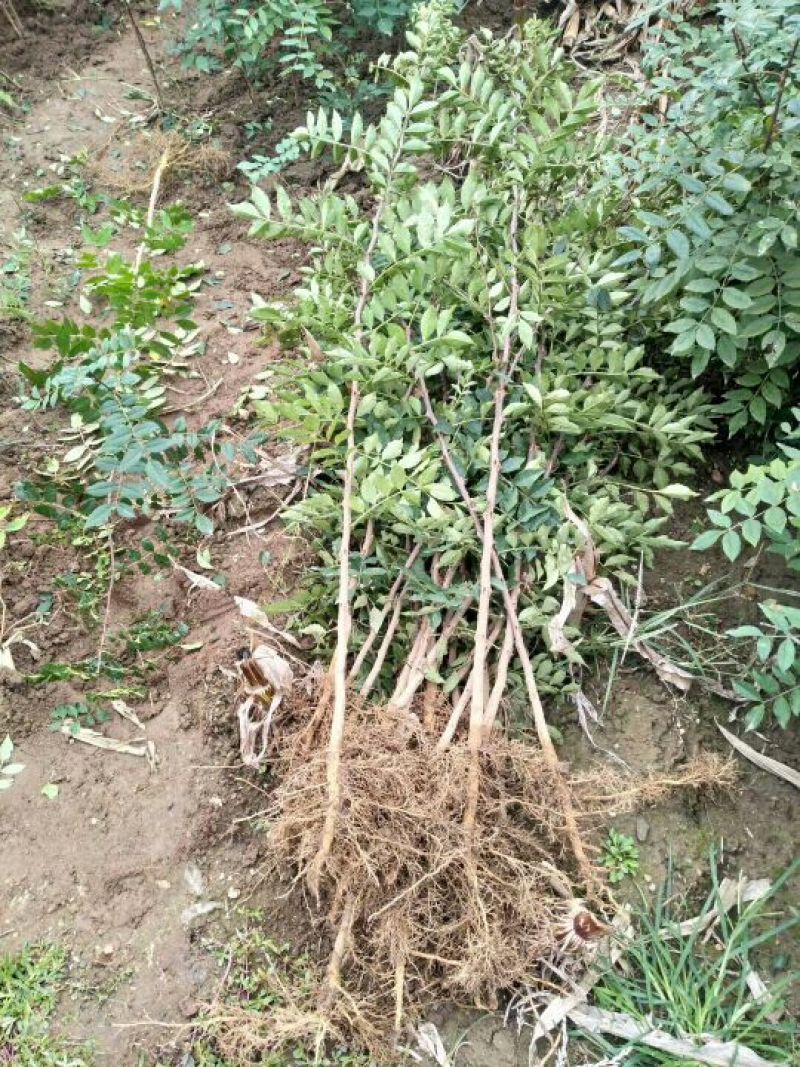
(110, 867)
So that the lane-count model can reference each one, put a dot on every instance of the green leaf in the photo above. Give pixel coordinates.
(6, 749)
(775, 519)
(705, 337)
(751, 531)
(723, 320)
(737, 298)
(782, 711)
(705, 540)
(679, 244)
(731, 544)
(50, 790)
(786, 654)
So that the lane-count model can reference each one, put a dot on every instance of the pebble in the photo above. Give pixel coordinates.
(642, 829)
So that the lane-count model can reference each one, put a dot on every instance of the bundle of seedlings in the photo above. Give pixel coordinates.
(478, 413)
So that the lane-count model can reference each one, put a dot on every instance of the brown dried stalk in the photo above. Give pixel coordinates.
(339, 666)
(145, 52)
(10, 12)
(337, 676)
(390, 602)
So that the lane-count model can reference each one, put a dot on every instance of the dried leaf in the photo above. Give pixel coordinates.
(197, 581)
(196, 911)
(71, 730)
(766, 763)
(122, 709)
(430, 1043)
(250, 610)
(706, 1051)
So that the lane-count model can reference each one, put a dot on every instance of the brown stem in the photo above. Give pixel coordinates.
(339, 666)
(773, 126)
(145, 52)
(740, 48)
(587, 872)
(372, 636)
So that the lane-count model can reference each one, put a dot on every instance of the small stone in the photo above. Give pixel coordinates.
(162, 883)
(642, 829)
(108, 950)
(233, 893)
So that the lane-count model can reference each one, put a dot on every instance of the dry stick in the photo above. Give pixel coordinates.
(385, 644)
(372, 636)
(337, 676)
(503, 661)
(458, 708)
(588, 875)
(339, 666)
(144, 50)
(430, 657)
(478, 700)
(13, 17)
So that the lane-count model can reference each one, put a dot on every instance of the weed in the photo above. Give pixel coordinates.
(77, 716)
(690, 985)
(10, 525)
(15, 279)
(151, 634)
(620, 856)
(29, 986)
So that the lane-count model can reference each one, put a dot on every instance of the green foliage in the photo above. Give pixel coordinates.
(29, 986)
(122, 459)
(774, 684)
(714, 180)
(77, 716)
(10, 525)
(302, 39)
(430, 271)
(15, 278)
(288, 150)
(620, 856)
(690, 986)
(761, 505)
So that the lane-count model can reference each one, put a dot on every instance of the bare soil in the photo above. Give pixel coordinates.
(110, 866)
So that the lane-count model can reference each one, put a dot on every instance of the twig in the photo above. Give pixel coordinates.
(371, 637)
(339, 666)
(12, 16)
(107, 611)
(145, 52)
(151, 207)
(773, 126)
(478, 698)
(270, 518)
(740, 48)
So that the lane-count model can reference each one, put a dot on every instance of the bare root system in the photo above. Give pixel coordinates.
(418, 909)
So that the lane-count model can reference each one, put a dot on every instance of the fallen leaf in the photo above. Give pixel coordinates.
(766, 763)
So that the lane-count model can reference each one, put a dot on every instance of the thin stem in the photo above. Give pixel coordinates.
(145, 52)
(773, 126)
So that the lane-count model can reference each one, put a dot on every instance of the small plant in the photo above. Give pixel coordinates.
(620, 856)
(15, 278)
(75, 716)
(151, 634)
(286, 151)
(8, 769)
(696, 984)
(9, 525)
(773, 686)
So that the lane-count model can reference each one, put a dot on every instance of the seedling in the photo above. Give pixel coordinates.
(620, 856)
